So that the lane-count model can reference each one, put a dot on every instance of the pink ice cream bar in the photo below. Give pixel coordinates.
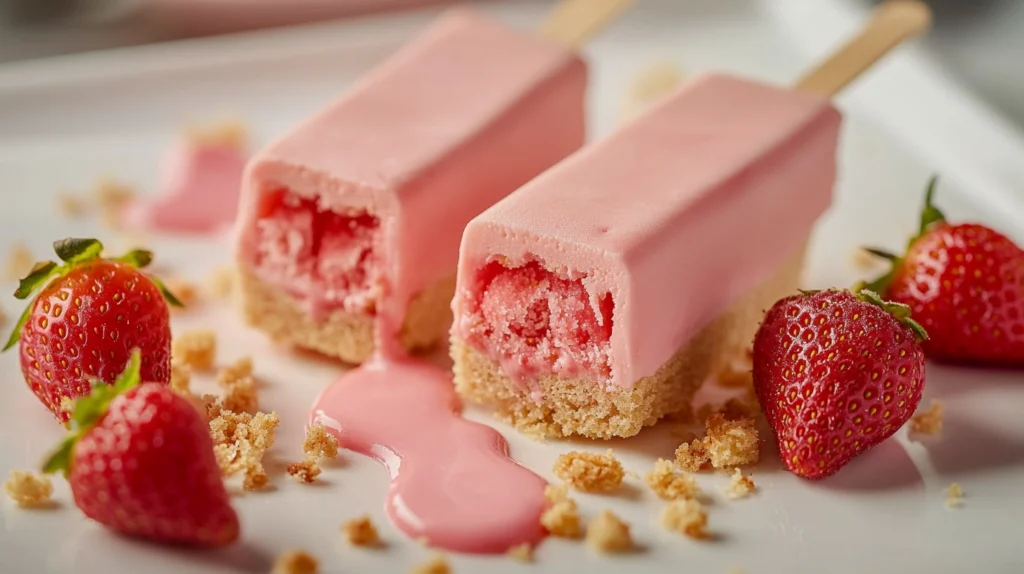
(354, 218)
(598, 297)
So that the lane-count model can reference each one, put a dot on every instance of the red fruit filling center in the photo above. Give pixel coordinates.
(533, 321)
(318, 254)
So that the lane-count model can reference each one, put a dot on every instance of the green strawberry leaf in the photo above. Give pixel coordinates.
(881, 253)
(39, 274)
(899, 311)
(73, 250)
(60, 459)
(137, 258)
(16, 333)
(171, 299)
(930, 215)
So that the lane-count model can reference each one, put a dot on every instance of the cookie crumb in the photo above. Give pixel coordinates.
(954, 495)
(71, 206)
(589, 472)
(740, 486)
(929, 421)
(562, 518)
(360, 531)
(670, 485)
(727, 443)
(240, 441)
(521, 552)
(305, 471)
(319, 443)
(692, 456)
(685, 516)
(19, 262)
(235, 372)
(183, 290)
(197, 349)
(438, 564)
(220, 283)
(241, 397)
(28, 489)
(295, 562)
(608, 533)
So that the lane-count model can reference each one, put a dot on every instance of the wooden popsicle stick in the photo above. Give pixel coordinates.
(573, 22)
(891, 23)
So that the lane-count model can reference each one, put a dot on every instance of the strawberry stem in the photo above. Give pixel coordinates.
(89, 409)
(930, 214)
(898, 310)
(73, 252)
(880, 253)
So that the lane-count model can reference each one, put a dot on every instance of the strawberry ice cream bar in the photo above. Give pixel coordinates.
(596, 299)
(355, 216)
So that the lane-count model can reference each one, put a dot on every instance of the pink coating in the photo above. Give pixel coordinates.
(675, 216)
(456, 120)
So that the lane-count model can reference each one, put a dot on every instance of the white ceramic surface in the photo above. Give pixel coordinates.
(64, 122)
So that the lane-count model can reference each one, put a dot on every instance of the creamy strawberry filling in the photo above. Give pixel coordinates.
(534, 322)
(326, 258)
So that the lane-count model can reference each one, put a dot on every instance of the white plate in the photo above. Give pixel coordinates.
(63, 122)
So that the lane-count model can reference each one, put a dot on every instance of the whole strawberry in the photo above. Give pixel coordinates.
(836, 374)
(140, 461)
(88, 316)
(965, 285)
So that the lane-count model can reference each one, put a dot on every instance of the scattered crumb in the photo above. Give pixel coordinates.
(19, 262)
(207, 405)
(744, 406)
(181, 378)
(184, 290)
(928, 422)
(295, 562)
(589, 472)
(521, 552)
(733, 378)
(727, 443)
(562, 518)
(670, 485)
(197, 349)
(438, 564)
(240, 441)
(235, 372)
(112, 196)
(71, 205)
(241, 397)
(229, 133)
(305, 471)
(608, 533)
(221, 282)
(740, 486)
(692, 456)
(319, 443)
(685, 516)
(28, 489)
(954, 494)
(361, 532)
(67, 405)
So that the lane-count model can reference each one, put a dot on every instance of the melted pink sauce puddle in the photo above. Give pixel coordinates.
(199, 190)
(452, 481)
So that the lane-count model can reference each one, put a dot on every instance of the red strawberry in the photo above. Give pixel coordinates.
(965, 285)
(140, 461)
(836, 374)
(87, 319)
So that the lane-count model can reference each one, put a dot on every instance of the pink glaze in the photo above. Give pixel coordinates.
(456, 120)
(452, 481)
(675, 216)
(199, 190)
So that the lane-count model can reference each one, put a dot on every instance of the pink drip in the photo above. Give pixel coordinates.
(199, 190)
(452, 481)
